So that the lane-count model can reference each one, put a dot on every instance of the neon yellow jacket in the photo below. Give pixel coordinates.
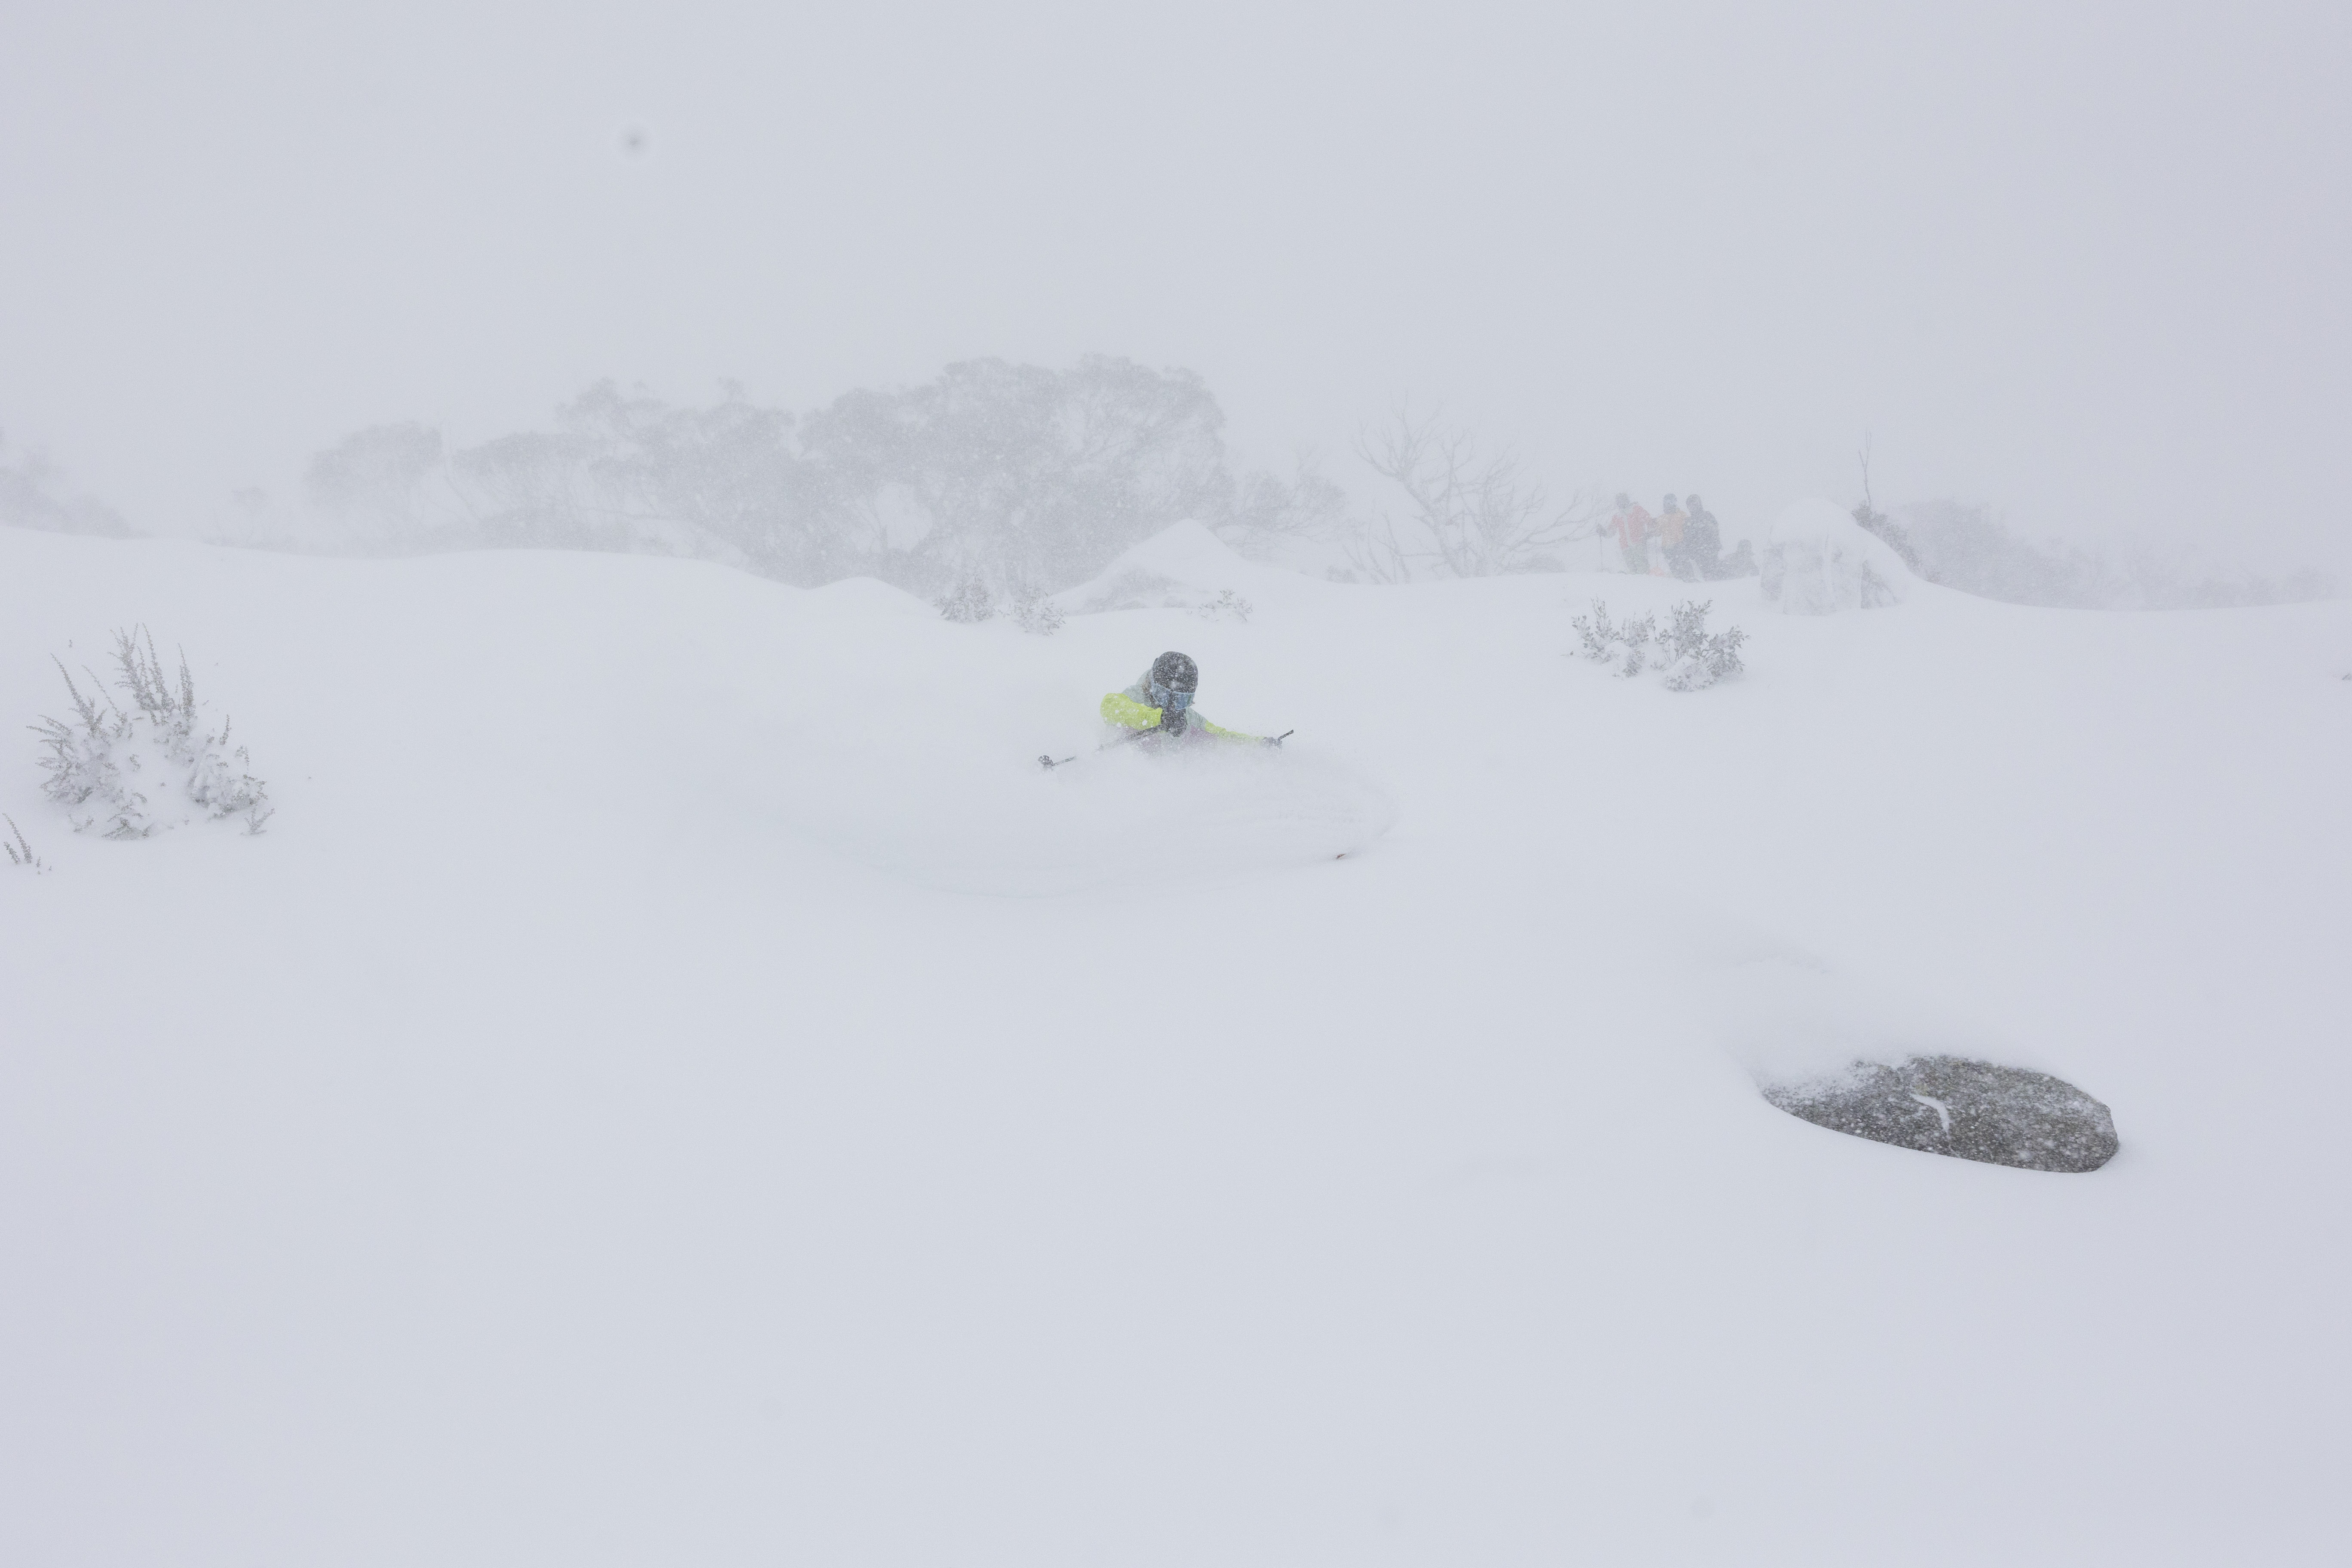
(1132, 709)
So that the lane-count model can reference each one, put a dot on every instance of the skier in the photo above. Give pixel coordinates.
(1159, 705)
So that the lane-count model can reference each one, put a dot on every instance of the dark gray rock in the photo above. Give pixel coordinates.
(1969, 1109)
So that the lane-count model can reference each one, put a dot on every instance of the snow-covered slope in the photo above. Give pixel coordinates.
(677, 1083)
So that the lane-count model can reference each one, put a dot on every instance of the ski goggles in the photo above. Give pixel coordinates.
(1168, 697)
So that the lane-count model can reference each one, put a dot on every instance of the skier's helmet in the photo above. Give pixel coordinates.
(1174, 679)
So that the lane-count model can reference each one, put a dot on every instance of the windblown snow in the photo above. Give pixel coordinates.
(677, 1082)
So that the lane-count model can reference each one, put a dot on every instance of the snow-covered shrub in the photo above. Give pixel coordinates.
(1691, 656)
(1227, 606)
(1625, 645)
(1636, 636)
(968, 606)
(1695, 656)
(19, 852)
(1820, 561)
(81, 765)
(1596, 633)
(1033, 612)
(110, 759)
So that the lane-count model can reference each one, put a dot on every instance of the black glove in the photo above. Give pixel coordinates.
(1174, 719)
(1276, 740)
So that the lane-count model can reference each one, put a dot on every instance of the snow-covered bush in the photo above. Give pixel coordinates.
(1033, 612)
(1820, 561)
(1691, 656)
(1595, 632)
(1625, 645)
(20, 852)
(1695, 656)
(110, 761)
(1227, 606)
(968, 606)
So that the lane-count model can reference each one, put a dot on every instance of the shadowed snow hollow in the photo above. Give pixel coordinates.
(1000, 825)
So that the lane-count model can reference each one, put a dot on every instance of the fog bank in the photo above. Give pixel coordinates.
(2076, 267)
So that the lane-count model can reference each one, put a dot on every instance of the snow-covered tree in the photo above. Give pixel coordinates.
(1001, 471)
(373, 483)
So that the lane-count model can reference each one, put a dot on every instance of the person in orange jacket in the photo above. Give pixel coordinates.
(1633, 527)
(1672, 521)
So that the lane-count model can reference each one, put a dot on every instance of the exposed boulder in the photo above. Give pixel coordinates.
(1968, 1110)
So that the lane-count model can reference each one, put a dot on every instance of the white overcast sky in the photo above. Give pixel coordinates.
(2086, 263)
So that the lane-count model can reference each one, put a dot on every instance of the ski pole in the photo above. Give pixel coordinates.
(1051, 762)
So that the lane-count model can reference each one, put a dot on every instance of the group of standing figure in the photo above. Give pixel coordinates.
(1688, 539)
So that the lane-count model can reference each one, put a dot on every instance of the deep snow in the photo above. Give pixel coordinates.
(677, 1083)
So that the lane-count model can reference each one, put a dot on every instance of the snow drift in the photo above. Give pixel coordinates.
(1818, 561)
(1185, 567)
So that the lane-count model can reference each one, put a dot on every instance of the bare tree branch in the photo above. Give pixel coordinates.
(1480, 517)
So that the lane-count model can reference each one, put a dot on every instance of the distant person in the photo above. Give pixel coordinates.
(1158, 709)
(1703, 541)
(1672, 520)
(1632, 526)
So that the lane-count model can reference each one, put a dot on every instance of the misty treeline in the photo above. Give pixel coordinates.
(993, 480)
(1013, 477)
(1016, 480)
(32, 495)
(1966, 547)
(1010, 481)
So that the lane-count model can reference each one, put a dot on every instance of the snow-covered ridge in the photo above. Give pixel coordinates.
(677, 1081)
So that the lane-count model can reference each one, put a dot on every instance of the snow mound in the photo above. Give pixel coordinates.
(1789, 1018)
(1183, 567)
(1819, 560)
